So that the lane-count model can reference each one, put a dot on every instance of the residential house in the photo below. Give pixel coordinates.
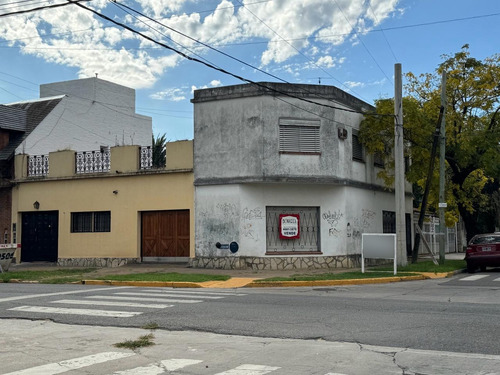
(81, 213)
(282, 180)
(80, 115)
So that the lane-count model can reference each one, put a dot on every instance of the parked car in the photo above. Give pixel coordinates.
(483, 251)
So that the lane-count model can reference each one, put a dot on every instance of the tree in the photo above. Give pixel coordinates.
(472, 136)
(159, 151)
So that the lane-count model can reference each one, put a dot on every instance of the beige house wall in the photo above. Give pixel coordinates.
(126, 195)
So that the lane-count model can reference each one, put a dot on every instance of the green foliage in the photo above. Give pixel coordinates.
(56, 276)
(143, 341)
(171, 276)
(472, 134)
(159, 151)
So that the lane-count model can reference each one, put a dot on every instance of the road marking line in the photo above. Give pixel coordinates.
(497, 279)
(57, 310)
(176, 364)
(334, 373)
(112, 303)
(168, 365)
(72, 364)
(164, 300)
(249, 370)
(160, 291)
(474, 277)
(165, 294)
(17, 298)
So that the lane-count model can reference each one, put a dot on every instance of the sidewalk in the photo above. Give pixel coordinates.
(238, 278)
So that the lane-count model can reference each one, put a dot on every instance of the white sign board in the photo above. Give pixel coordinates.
(6, 255)
(378, 246)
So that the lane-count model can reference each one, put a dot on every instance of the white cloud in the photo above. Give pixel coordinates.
(214, 83)
(172, 94)
(352, 84)
(74, 37)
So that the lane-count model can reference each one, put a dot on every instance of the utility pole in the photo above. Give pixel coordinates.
(399, 169)
(442, 145)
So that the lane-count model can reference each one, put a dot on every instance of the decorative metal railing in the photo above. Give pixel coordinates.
(93, 161)
(38, 165)
(146, 157)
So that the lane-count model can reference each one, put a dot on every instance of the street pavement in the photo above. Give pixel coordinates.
(46, 348)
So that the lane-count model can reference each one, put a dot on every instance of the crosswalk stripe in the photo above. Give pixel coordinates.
(72, 364)
(249, 370)
(146, 299)
(497, 279)
(58, 310)
(111, 303)
(474, 277)
(156, 369)
(160, 291)
(165, 294)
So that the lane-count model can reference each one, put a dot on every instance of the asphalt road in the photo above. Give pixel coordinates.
(444, 315)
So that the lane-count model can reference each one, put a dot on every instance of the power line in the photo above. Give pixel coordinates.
(40, 8)
(300, 52)
(385, 37)
(200, 42)
(214, 67)
(361, 40)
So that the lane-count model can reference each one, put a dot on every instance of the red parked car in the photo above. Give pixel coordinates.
(483, 251)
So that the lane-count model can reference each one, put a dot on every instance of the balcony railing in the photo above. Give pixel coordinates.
(146, 157)
(93, 161)
(38, 165)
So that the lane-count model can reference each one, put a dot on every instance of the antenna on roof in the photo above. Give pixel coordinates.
(96, 75)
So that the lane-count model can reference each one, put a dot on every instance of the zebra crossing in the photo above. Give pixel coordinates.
(478, 277)
(138, 300)
(155, 368)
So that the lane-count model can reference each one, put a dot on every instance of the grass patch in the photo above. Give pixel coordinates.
(429, 266)
(172, 276)
(151, 326)
(57, 276)
(337, 276)
(141, 342)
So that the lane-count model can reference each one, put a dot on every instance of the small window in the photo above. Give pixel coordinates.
(378, 159)
(299, 136)
(86, 222)
(357, 148)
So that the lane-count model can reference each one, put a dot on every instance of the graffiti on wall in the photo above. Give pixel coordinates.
(227, 209)
(360, 223)
(333, 218)
(252, 214)
(248, 215)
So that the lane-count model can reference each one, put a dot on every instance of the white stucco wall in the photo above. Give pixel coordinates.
(226, 213)
(82, 124)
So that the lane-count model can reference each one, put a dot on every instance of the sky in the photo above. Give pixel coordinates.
(350, 44)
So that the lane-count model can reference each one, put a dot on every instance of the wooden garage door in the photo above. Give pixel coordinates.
(165, 234)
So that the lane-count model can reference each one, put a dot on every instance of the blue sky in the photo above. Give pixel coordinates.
(351, 44)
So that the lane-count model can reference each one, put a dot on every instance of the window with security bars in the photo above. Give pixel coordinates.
(299, 136)
(357, 148)
(309, 237)
(87, 222)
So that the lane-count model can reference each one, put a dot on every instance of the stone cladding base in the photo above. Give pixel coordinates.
(277, 263)
(96, 262)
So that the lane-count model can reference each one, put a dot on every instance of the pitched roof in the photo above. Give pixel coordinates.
(36, 111)
(12, 118)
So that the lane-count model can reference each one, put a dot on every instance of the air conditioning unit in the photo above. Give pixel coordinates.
(342, 133)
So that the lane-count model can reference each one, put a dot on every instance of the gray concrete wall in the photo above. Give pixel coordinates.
(237, 139)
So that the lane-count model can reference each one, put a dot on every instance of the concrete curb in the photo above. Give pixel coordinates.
(378, 280)
(165, 284)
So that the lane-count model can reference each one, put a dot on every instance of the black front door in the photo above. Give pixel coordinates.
(39, 236)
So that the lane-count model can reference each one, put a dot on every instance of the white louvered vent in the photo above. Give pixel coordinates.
(297, 136)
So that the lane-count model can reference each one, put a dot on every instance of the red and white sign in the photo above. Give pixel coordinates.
(289, 226)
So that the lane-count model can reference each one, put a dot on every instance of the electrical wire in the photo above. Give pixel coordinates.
(263, 86)
(361, 40)
(40, 8)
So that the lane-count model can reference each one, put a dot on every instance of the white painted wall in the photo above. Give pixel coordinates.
(82, 124)
(226, 213)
